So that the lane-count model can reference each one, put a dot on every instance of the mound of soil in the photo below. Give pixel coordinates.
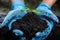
(30, 24)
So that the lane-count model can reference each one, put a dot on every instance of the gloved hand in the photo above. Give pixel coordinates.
(17, 5)
(46, 11)
(13, 15)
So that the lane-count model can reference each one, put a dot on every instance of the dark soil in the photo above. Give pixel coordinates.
(30, 24)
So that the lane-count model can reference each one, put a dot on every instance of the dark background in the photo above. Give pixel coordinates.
(5, 6)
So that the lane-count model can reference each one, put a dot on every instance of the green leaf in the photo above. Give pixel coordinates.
(36, 11)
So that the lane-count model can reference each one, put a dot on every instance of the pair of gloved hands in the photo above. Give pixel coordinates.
(17, 14)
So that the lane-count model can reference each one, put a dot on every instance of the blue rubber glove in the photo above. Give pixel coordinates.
(46, 11)
(13, 15)
(17, 5)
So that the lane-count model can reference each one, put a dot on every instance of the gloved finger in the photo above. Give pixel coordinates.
(10, 24)
(18, 4)
(46, 32)
(47, 11)
(17, 32)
